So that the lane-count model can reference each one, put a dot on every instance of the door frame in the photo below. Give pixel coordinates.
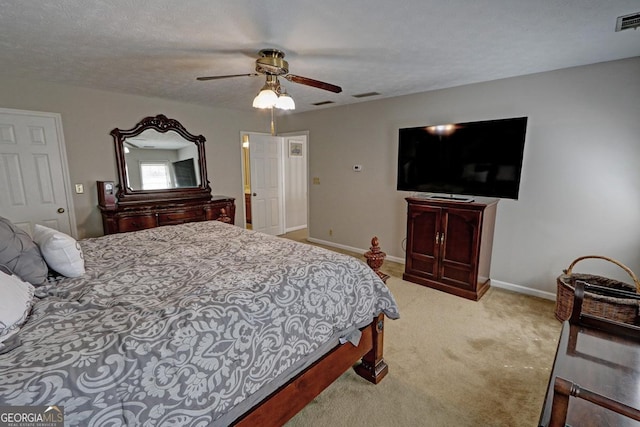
(57, 119)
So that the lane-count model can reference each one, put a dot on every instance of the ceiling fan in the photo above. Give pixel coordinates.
(271, 63)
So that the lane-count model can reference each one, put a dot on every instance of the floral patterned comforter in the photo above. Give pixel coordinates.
(187, 325)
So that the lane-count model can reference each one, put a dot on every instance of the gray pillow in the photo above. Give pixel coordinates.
(20, 254)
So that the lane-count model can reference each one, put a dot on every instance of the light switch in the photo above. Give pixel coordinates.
(316, 180)
(79, 188)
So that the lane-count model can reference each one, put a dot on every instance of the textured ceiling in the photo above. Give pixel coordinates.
(158, 47)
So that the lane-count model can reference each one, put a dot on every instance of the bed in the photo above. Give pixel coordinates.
(196, 324)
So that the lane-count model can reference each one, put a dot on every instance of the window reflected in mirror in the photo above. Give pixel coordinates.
(155, 176)
(159, 161)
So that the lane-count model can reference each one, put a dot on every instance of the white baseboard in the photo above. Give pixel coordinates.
(300, 227)
(497, 283)
(352, 249)
(394, 259)
(523, 290)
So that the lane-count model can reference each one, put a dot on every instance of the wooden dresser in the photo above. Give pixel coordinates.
(162, 173)
(156, 213)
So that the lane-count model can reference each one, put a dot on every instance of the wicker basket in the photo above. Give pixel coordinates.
(623, 310)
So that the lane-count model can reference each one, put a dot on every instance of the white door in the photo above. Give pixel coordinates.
(34, 180)
(267, 202)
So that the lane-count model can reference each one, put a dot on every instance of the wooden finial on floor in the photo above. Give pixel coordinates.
(375, 257)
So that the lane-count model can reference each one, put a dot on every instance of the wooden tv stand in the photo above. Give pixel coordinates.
(449, 245)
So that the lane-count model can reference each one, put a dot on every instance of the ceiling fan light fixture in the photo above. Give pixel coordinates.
(272, 64)
(273, 95)
(267, 98)
(285, 102)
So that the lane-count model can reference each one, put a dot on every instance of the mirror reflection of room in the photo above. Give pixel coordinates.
(158, 161)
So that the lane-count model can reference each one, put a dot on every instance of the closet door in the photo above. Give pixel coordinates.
(34, 183)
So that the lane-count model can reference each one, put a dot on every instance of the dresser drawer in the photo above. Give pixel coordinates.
(182, 216)
(140, 216)
(138, 222)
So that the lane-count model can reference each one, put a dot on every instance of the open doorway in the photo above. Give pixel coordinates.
(275, 182)
(246, 181)
(296, 189)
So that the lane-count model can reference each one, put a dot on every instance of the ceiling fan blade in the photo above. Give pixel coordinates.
(315, 83)
(226, 77)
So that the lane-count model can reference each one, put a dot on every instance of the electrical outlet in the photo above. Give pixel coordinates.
(316, 180)
(330, 232)
(79, 188)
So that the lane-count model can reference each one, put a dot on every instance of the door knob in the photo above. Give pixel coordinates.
(60, 210)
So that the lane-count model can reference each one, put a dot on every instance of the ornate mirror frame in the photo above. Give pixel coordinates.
(161, 124)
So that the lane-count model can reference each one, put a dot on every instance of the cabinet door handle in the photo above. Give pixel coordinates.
(442, 238)
(437, 237)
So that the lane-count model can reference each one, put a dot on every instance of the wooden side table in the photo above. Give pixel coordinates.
(596, 373)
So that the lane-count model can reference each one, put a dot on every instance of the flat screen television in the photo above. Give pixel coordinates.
(474, 159)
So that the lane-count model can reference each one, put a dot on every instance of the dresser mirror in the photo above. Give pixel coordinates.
(159, 159)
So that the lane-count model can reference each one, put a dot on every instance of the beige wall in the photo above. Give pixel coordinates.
(89, 115)
(580, 190)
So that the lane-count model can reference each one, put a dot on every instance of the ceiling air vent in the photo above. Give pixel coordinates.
(628, 21)
(365, 95)
(317, 104)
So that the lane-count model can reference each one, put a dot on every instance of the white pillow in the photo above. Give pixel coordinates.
(61, 251)
(15, 304)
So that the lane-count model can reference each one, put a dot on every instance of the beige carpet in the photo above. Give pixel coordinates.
(452, 362)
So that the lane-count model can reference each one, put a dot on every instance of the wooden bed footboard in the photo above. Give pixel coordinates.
(289, 399)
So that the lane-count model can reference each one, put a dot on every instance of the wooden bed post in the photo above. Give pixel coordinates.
(373, 367)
